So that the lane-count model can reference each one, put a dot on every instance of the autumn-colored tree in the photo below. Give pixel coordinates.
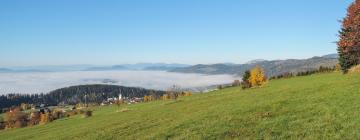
(173, 95)
(165, 97)
(25, 106)
(188, 93)
(174, 92)
(151, 97)
(181, 94)
(148, 98)
(15, 118)
(338, 67)
(355, 69)
(349, 43)
(45, 118)
(257, 76)
(34, 118)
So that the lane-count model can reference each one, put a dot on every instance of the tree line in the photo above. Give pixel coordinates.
(75, 94)
(172, 93)
(321, 69)
(256, 77)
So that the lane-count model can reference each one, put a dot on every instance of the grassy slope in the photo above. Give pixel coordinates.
(322, 106)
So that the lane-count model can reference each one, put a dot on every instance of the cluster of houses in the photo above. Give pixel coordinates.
(64, 107)
(127, 100)
(42, 108)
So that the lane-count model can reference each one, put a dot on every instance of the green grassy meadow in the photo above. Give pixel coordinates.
(322, 106)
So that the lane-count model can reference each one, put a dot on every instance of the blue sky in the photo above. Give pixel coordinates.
(106, 32)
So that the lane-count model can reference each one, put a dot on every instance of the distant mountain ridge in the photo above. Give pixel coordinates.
(272, 68)
(138, 66)
(5, 70)
(256, 61)
(335, 55)
(107, 68)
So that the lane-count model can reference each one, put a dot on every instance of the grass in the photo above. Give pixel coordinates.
(323, 106)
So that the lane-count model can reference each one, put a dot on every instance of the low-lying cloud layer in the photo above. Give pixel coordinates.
(48, 81)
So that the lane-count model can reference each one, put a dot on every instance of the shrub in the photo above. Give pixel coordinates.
(220, 87)
(57, 114)
(355, 69)
(2, 123)
(20, 124)
(80, 111)
(188, 93)
(87, 113)
(236, 83)
(71, 113)
(245, 85)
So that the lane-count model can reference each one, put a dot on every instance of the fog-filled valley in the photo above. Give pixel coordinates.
(43, 82)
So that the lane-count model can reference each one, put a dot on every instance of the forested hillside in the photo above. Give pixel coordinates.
(76, 94)
(272, 68)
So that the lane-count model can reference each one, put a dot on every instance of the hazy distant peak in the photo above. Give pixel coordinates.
(334, 55)
(256, 61)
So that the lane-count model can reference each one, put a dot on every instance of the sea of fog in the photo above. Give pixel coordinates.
(43, 82)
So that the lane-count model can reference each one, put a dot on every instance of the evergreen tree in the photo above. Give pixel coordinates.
(246, 80)
(246, 76)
